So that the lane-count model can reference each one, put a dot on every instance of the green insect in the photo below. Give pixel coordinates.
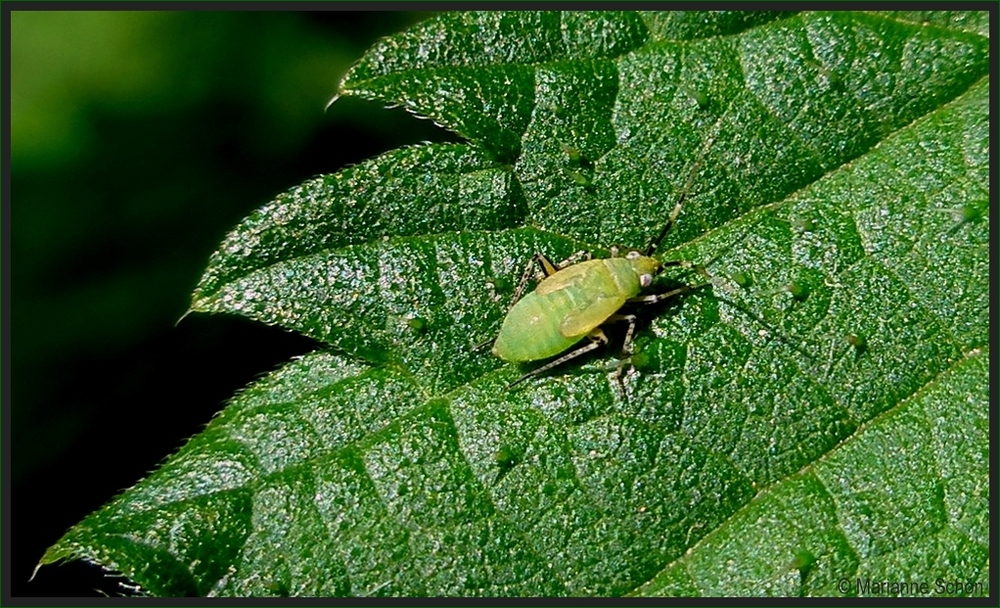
(576, 300)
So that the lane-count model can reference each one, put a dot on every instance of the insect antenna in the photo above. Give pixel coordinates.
(655, 242)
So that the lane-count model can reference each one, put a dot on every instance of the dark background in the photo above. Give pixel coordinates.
(138, 139)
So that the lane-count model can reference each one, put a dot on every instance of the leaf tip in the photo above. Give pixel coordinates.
(53, 554)
(184, 316)
(335, 97)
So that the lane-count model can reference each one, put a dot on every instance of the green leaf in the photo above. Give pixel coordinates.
(819, 414)
(879, 507)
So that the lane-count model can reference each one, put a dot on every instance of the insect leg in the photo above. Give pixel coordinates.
(482, 345)
(659, 297)
(626, 346)
(597, 339)
(573, 259)
(630, 319)
(547, 267)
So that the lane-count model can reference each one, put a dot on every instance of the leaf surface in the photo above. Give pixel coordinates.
(819, 413)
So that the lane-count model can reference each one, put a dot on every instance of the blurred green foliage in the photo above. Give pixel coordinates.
(126, 128)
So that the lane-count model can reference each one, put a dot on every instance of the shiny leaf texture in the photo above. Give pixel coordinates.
(817, 414)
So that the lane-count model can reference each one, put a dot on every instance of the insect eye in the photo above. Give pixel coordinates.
(646, 280)
(632, 255)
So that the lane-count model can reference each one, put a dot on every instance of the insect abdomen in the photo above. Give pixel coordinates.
(531, 329)
(564, 308)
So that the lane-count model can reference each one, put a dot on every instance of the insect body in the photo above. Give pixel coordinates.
(574, 301)
(570, 304)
